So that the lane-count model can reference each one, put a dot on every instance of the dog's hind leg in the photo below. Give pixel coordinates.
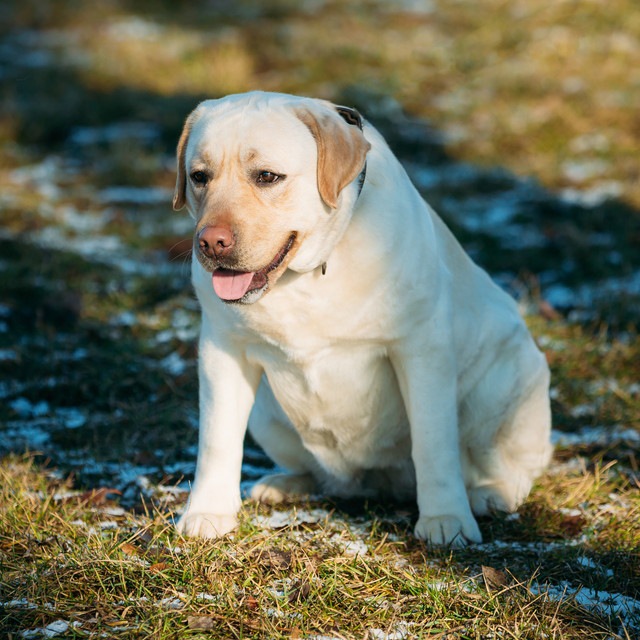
(271, 429)
(502, 472)
(283, 487)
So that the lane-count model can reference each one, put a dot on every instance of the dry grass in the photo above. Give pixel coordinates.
(78, 558)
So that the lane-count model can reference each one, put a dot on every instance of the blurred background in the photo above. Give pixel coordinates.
(517, 119)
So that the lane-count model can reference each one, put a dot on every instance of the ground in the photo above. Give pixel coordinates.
(517, 121)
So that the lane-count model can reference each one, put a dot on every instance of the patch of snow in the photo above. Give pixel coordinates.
(416, 7)
(352, 548)
(280, 588)
(131, 600)
(559, 296)
(171, 490)
(624, 607)
(583, 170)
(209, 597)
(94, 247)
(173, 603)
(589, 563)
(599, 435)
(535, 547)
(72, 418)
(46, 171)
(593, 196)
(587, 295)
(134, 28)
(65, 495)
(26, 409)
(78, 354)
(115, 132)
(50, 631)
(547, 342)
(294, 517)
(612, 385)
(164, 336)
(25, 434)
(186, 324)
(21, 603)
(79, 221)
(592, 141)
(570, 513)
(124, 319)
(174, 364)
(399, 632)
(582, 410)
(135, 195)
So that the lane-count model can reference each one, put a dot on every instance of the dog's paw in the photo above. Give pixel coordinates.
(282, 487)
(501, 495)
(486, 500)
(448, 530)
(206, 525)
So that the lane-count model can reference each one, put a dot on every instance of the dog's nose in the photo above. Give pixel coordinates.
(216, 242)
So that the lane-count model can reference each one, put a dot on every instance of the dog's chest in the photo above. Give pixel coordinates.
(341, 397)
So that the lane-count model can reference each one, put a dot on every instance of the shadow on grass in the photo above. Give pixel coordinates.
(77, 379)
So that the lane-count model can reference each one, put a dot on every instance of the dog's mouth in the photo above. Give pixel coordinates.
(234, 286)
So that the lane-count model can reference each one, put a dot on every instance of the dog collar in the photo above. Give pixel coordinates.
(361, 179)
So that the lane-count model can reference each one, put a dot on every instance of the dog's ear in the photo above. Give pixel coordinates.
(342, 148)
(180, 193)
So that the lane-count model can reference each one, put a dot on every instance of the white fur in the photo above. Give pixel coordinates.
(404, 369)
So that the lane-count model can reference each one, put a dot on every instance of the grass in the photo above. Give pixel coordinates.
(517, 90)
(76, 557)
(98, 321)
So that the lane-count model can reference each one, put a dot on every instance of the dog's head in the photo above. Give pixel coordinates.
(265, 177)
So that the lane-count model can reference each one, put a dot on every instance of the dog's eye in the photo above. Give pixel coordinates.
(199, 177)
(268, 177)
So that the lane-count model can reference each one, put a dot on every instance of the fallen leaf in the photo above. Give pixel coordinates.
(572, 523)
(275, 559)
(129, 549)
(251, 603)
(158, 566)
(494, 579)
(98, 496)
(202, 623)
(300, 592)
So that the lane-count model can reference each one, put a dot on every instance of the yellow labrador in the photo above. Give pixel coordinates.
(346, 327)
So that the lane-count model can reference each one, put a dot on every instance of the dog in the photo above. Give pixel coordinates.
(344, 325)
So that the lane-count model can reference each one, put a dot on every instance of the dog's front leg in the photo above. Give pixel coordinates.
(428, 384)
(228, 385)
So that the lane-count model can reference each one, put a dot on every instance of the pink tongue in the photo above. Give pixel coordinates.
(231, 285)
